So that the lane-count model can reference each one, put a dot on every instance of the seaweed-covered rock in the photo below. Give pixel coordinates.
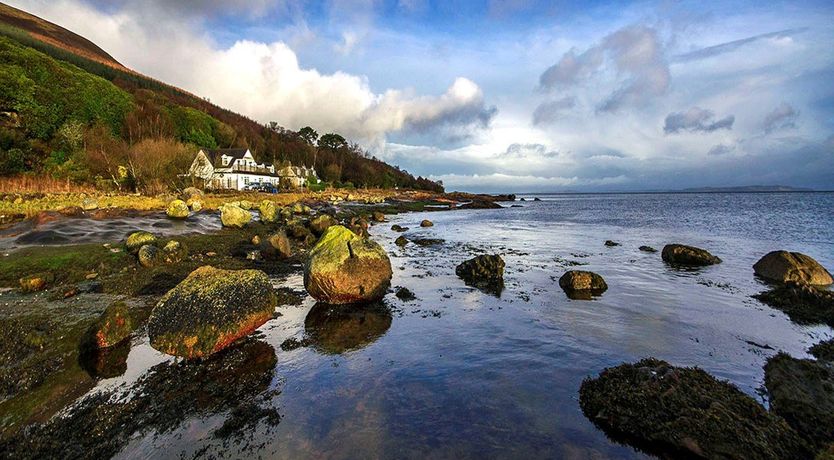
(582, 285)
(149, 256)
(177, 209)
(647, 249)
(32, 284)
(268, 211)
(405, 294)
(485, 272)
(428, 241)
(823, 351)
(401, 241)
(298, 208)
(784, 266)
(803, 303)
(345, 268)
(234, 216)
(321, 223)
(136, 240)
(679, 254)
(113, 326)
(398, 228)
(678, 412)
(174, 252)
(426, 223)
(209, 310)
(277, 246)
(802, 392)
(334, 329)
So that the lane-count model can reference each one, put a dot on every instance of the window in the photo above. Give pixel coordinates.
(245, 180)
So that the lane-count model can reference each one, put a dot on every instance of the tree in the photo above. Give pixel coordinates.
(332, 141)
(332, 173)
(309, 135)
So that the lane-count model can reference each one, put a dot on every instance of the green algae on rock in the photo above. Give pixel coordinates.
(321, 223)
(679, 412)
(232, 215)
(345, 268)
(177, 209)
(209, 310)
(136, 240)
(680, 254)
(802, 392)
(784, 266)
(112, 327)
(268, 211)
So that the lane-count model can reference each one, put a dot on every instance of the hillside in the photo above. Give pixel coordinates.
(71, 111)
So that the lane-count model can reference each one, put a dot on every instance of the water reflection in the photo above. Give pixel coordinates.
(104, 363)
(335, 329)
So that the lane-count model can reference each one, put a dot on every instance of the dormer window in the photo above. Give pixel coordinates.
(225, 160)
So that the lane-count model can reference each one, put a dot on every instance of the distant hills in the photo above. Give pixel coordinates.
(746, 188)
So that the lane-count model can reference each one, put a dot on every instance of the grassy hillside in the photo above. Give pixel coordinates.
(89, 120)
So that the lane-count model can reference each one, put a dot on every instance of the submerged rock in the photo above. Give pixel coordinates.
(678, 412)
(209, 310)
(345, 268)
(679, 254)
(177, 209)
(485, 272)
(334, 329)
(802, 392)
(112, 327)
(784, 266)
(803, 303)
(136, 240)
(234, 216)
(426, 223)
(647, 249)
(582, 285)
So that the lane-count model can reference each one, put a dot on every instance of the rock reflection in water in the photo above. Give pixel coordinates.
(334, 329)
(104, 363)
(235, 380)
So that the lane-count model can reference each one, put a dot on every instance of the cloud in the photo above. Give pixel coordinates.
(550, 111)
(727, 47)
(720, 149)
(784, 116)
(636, 57)
(696, 120)
(522, 151)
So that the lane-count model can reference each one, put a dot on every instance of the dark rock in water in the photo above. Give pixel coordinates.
(784, 266)
(610, 243)
(105, 363)
(647, 249)
(293, 344)
(823, 351)
(582, 285)
(677, 412)
(401, 241)
(136, 240)
(321, 223)
(516, 206)
(485, 272)
(521, 199)
(537, 199)
(426, 223)
(428, 241)
(802, 392)
(405, 294)
(802, 303)
(209, 310)
(113, 326)
(150, 256)
(398, 228)
(679, 254)
(481, 204)
(335, 329)
(346, 268)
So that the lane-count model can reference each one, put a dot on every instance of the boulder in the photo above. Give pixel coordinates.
(136, 240)
(277, 246)
(679, 254)
(268, 211)
(112, 326)
(485, 272)
(194, 204)
(378, 216)
(802, 392)
(675, 412)
(426, 223)
(580, 284)
(89, 204)
(209, 310)
(234, 216)
(401, 241)
(784, 266)
(359, 226)
(245, 204)
(177, 209)
(149, 256)
(345, 268)
(32, 284)
(299, 231)
(398, 228)
(321, 223)
(174, 252)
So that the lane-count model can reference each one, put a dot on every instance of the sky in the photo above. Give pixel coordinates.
(509, 96)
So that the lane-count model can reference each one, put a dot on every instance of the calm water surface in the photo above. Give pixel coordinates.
(463, 374)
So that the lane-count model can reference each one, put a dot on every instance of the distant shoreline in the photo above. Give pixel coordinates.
(675, 192)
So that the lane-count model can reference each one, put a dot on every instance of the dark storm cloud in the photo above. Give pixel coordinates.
(696, 119)
(550, 111)
(636, 55)
(727, 47)
(782, 117)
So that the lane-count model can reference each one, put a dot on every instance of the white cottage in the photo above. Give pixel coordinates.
(237, 169)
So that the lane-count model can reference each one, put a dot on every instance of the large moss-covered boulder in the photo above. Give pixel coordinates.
(802, 392)
(676, 412)
(113, 326)
(209, 310)
(177, 209)
(268, 211)
(346, 268)
(784, 266)
(136, 240)
(485, 272)
(680, 254)
(582, 285)
(150, 256)
(232, 215)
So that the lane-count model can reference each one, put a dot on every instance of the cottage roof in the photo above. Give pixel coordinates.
(215, 154)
